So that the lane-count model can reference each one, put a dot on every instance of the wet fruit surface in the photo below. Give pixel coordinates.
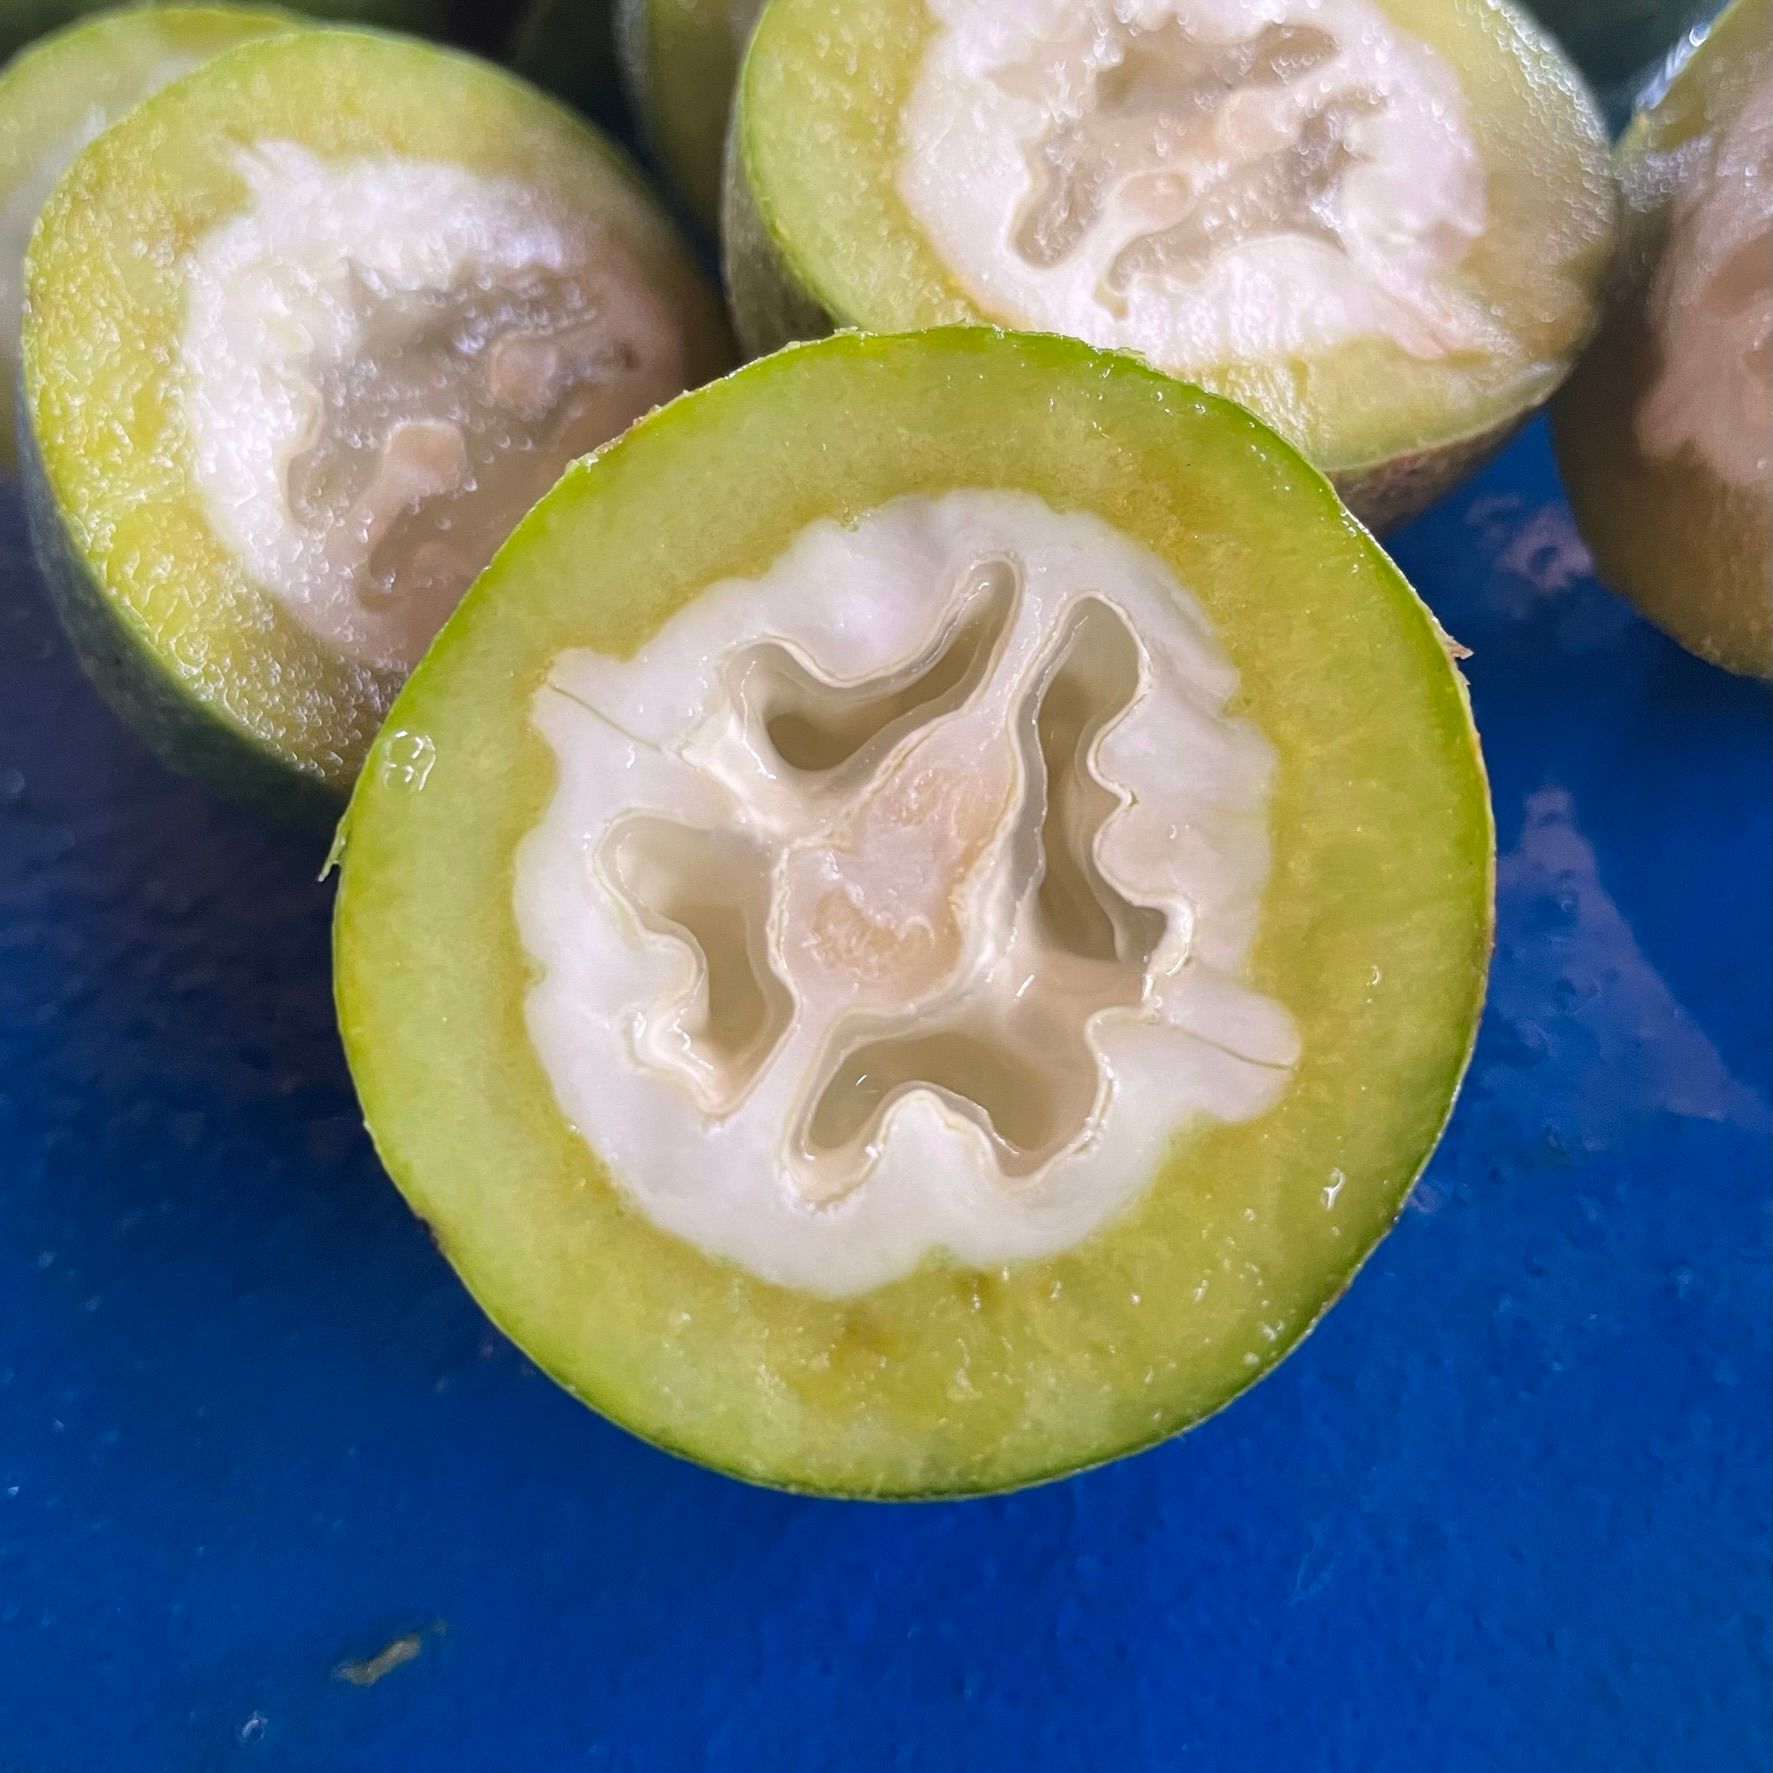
(249, 1421)
(1665, 434)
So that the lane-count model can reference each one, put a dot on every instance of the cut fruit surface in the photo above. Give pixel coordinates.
(922, 917)
(305, 335)
(679, 60)
(1380, 226)
(1665, 433)
(24, 21)
(65, 91)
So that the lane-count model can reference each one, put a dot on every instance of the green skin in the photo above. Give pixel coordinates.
(778, 293)
(568, 48)
(103, 65)
(22, 21)
(679, 61)
(1384, 855)
(1693, 552)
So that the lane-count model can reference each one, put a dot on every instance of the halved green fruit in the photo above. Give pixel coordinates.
(23, 21)
(1665, 432)
(679, 60)
(69, 88)
(792, 591)
(1383, 228)
(568, 48)
(305, 334)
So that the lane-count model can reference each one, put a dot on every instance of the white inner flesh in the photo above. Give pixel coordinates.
(386, 362)
(19, 210)
(900, 900)
(1711, 304)
(1203, 181)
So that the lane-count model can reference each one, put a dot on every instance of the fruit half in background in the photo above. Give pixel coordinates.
(305, 335)
(920, 920)
(1665, 433)
(66, 90)
(679, 60)
(23, 21)
(1382, 227)
(568, 48)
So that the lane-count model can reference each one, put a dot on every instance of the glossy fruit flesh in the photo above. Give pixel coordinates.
(66, 90)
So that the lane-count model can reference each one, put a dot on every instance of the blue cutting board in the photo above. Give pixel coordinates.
(1508, 1510)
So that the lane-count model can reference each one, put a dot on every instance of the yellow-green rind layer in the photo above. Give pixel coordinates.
(57, 94)
(23, 21)
(816, 236)
(1693, 553)
(679, 59)
(1376, 931)
(119, 517)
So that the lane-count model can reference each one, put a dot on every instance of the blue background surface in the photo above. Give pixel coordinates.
(1507, 1510)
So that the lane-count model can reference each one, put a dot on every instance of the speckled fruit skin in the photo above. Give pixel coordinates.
(1693, 553)
(423, 1041)
(185, 733)
(568, 48)
(772, 302)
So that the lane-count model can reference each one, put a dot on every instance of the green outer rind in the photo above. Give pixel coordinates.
(24, 23)
(771, 307)
(389, 772)
(53, 65)
(1388, 494)
(1692, 555)
(173, 712)
(775, 300)
(188, 735)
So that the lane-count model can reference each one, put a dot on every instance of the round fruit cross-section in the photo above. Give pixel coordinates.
(1379, 224)
(1665, 432)
(921, 918)
(305, 335)
(69, 88)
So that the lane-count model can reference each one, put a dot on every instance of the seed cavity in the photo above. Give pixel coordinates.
(898, 899)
